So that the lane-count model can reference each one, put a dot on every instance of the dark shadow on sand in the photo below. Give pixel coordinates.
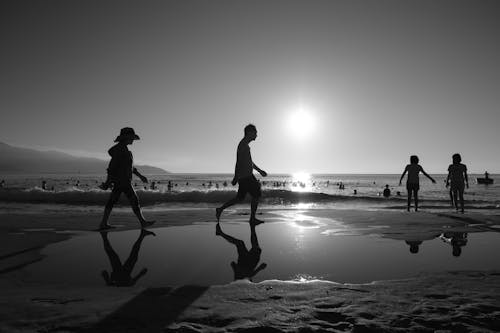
(150, 311)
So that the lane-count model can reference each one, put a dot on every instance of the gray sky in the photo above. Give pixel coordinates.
(380, 80)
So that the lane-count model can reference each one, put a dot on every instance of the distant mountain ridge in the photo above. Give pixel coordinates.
(23, 160)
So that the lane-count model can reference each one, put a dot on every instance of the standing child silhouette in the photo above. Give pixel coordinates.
(412, 183)
(457, 175)
(120, 172)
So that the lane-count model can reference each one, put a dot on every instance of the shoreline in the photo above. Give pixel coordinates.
(449, 301)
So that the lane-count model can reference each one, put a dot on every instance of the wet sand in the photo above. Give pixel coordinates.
(453, 301)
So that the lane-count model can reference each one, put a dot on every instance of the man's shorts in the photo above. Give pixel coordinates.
(412, 187)
(249, 185)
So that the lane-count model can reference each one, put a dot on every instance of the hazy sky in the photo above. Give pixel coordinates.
(376, 80)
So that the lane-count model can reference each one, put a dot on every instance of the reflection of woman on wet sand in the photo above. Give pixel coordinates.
(247, 260)
(121, 276)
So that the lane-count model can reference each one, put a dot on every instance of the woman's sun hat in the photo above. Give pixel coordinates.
(127, 133)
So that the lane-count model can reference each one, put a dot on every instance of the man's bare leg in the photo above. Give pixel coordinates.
(253, 220)
(218, 211)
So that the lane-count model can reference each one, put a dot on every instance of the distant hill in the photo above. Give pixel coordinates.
(22, 160)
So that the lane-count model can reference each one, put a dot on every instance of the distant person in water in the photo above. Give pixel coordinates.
(387, 191)
(120, 172)
(121, 274)
(243, 175)
(412, 183)
(246, 265)
(457, 176)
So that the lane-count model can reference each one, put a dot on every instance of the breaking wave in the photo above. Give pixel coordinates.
(150, 197)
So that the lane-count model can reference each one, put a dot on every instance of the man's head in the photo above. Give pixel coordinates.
(251, 131)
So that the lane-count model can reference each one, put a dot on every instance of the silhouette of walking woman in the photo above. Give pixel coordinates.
(245, 267)
(243, 175)
(121, 275)
(120, 170)
(412, 183)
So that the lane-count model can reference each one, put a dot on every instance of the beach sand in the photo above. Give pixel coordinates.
(458, 301)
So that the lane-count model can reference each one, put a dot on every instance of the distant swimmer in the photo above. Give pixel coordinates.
(412, 183)
(44, 185)
(387, 191)
(457, 176)
(243, 175)
(120, 170)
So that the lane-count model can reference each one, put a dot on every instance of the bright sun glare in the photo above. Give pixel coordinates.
(302, 177)
(301, 123)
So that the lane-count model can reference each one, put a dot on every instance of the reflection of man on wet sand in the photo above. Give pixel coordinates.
(247, 259)
(121, 276)
(415, 238)
(243, 175)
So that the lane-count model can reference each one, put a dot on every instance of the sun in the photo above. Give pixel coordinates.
(301, 123)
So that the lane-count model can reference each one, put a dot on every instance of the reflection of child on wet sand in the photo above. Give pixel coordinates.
(247, 259)
(412, 183)
(121, 276)
(120, 172)
(457, 240)
(457, 175)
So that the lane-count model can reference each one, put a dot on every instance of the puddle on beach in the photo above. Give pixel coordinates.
(193, 254)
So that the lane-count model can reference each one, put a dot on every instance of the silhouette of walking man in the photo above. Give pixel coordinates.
(243, 175)
(412, 183)
(120, 170)
(245, 267)
(121, 275)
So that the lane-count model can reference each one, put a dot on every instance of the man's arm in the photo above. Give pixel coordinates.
(259, 170)
(138, 174)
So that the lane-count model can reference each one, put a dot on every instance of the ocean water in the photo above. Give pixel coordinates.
(360, 191)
